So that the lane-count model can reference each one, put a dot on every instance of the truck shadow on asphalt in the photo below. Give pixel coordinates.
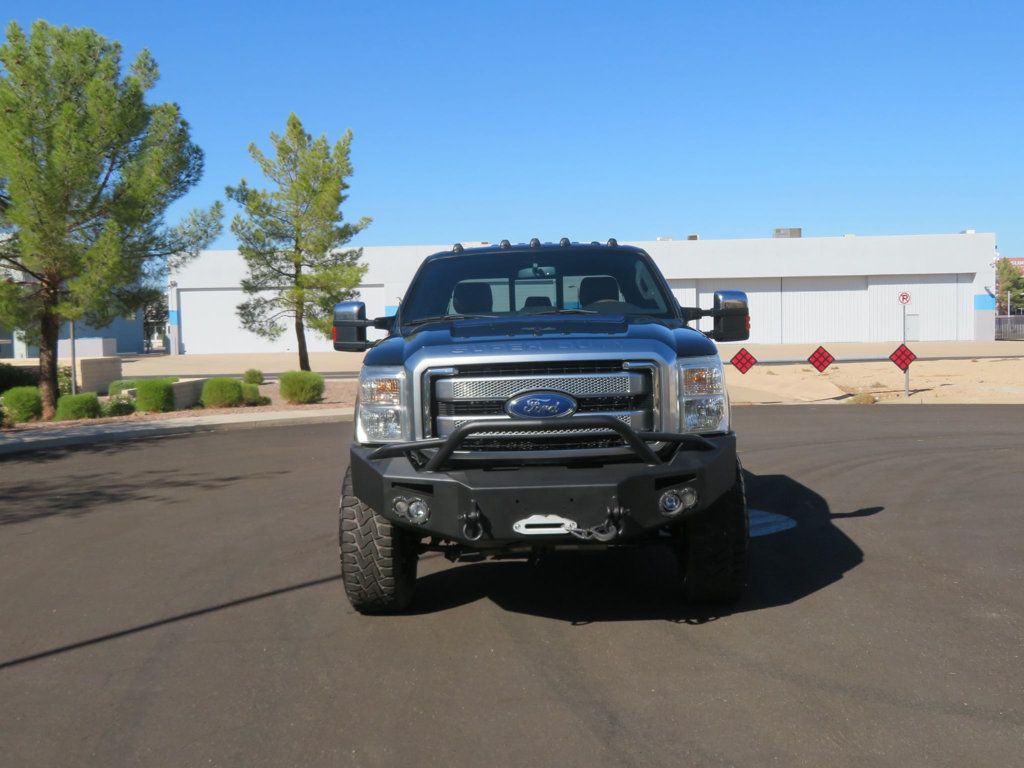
(76, 492)
(786, 565)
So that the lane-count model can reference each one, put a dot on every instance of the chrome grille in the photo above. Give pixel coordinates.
(479, 395)
(577, 385)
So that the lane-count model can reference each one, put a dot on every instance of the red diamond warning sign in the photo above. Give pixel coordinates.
(903, 357)
(743, 360)
(821, 359)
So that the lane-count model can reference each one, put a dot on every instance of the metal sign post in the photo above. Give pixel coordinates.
(902, 357)
(74, 373)
(904, 299)
(906, 371)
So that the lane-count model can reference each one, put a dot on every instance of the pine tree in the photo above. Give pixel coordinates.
(87, 171)
(292, 237)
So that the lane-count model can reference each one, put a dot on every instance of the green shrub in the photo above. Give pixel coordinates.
(119, 386)
(17, 376)
(302, 387)
(253, 376)
(83, 406)
(251, 395)
(154, 395)
(221, 392)
(64, 380)
(119, 405)
(22, 403)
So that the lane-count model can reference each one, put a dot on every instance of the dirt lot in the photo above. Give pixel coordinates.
(995, 380)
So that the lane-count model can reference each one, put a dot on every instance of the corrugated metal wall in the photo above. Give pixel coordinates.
(818, 309)
(795, 310)
(935, 302)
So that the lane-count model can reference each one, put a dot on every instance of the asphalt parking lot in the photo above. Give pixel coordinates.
(175, 602)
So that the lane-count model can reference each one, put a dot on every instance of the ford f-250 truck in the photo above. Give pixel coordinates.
(534, 397)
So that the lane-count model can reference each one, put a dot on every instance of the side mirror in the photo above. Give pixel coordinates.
(349, 330)
(732, 316)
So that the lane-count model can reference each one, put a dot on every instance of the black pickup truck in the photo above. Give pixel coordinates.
(534, 397)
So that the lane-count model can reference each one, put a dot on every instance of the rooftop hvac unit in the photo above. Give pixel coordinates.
(788, 232)
(693, 237)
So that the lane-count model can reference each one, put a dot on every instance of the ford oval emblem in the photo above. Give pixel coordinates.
(540, 405)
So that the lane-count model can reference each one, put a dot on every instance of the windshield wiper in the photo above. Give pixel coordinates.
(567, 312)
(443, 318)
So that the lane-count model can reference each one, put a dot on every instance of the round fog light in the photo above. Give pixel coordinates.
(401, 506)
(671, 503)
(419, 511)
(689, 498)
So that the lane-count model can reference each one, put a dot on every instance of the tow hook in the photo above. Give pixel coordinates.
(606, 531)
(473, 524)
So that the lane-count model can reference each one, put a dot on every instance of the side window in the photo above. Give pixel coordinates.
(647, 289)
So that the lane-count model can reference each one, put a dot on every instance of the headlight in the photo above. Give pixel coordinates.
(380, 415)
(703, 401)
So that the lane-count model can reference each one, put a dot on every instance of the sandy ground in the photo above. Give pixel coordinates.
(997, 380)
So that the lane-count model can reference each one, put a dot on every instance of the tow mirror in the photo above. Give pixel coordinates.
(732, 316)
(349, 330)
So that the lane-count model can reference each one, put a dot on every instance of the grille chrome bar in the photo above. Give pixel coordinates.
(579, 385)
(639, 420)
(428, 388)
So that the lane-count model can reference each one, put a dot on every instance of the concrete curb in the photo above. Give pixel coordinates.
(58, 437)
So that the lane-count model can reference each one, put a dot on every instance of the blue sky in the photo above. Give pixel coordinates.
(478, 120)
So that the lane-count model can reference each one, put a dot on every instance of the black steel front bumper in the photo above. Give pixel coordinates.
(476, 498)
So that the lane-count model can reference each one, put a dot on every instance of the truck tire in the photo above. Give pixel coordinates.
(378, 559)
(715, 548)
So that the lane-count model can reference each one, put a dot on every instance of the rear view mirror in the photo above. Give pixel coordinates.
(349, 330)
(732, 316)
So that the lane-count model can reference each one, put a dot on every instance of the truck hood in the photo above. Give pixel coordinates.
(530, 335)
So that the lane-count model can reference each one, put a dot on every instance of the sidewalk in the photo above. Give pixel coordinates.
(20, 441)
(272, 363)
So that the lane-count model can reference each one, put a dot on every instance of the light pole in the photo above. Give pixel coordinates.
(74, 372)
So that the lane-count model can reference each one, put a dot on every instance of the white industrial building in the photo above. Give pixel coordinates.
(801, 289)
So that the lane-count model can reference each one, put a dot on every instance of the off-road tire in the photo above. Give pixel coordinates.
(378, 559)
(715, 548)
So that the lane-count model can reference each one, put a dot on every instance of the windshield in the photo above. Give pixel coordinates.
(501, 284)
